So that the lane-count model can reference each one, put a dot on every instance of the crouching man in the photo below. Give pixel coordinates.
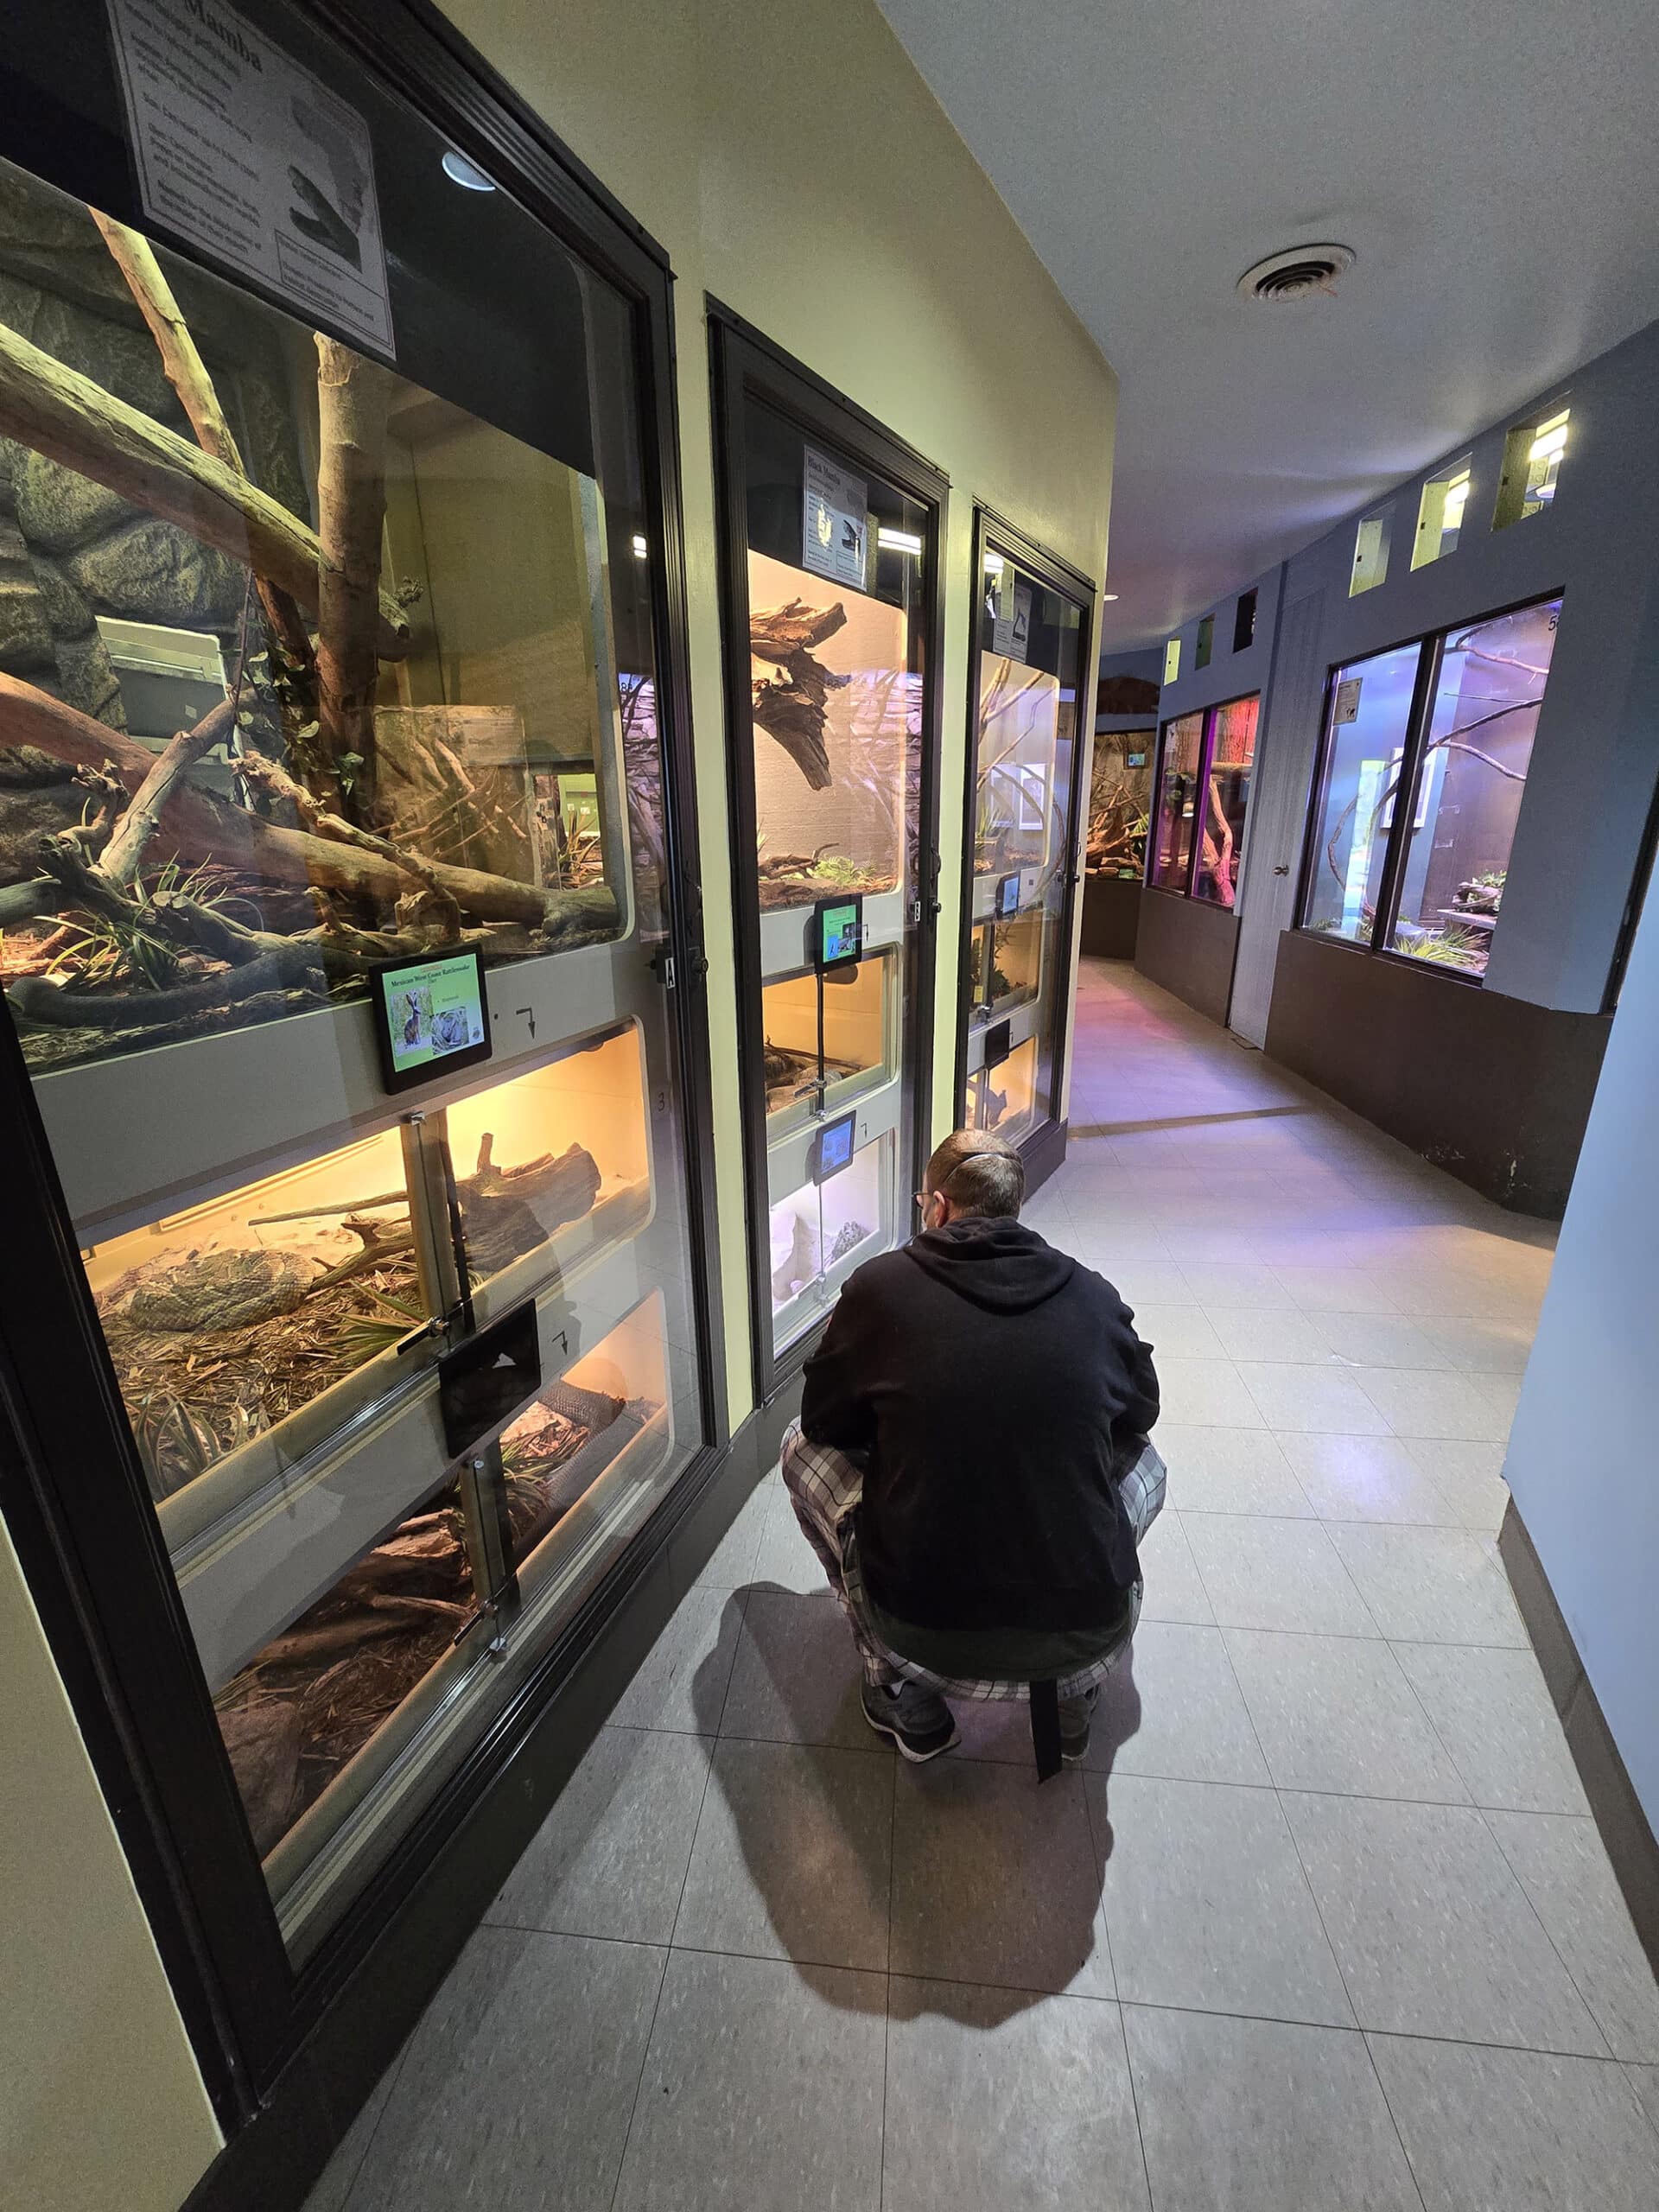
(971, 1465)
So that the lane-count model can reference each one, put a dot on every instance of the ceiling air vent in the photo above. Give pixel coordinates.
(1296, 274)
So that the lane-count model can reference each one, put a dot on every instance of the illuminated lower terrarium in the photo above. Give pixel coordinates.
(821, 1232)
(1004, 1097)
(835, 711)
(1005, 963)
(257, 1313)
(282, 701)
(320, 1693)
(856, 1015)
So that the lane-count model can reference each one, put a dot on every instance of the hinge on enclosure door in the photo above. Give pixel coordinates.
(915, 910)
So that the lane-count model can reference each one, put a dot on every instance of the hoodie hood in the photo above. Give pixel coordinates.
(997, 1265)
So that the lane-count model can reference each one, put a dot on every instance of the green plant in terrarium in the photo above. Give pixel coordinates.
(1450, 947)
(1482, 894)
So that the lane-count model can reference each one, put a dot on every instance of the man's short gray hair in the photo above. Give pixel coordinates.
(979, 1173)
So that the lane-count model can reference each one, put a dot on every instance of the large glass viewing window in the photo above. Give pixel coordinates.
(1423, 770)
(1023, 832)
(831, 608)
(323, 656)
(1205, 767)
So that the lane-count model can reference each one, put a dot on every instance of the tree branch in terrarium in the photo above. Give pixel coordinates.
(186, 372)
(65, 415)
(1451, 742)
(794, 712)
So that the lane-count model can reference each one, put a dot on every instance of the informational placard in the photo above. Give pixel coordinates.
(1008, 898)
(243, 151)
(1011, 625)
(834, 521)
(431, 1016)
(1348, 699)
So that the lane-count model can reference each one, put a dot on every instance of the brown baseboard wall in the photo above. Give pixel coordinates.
(1624, 1828)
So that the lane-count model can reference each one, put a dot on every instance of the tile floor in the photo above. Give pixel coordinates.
(1324, 1923)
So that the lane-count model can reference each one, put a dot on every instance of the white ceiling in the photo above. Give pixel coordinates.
(1493, 163)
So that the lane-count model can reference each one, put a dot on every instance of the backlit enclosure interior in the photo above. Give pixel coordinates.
(226, 791)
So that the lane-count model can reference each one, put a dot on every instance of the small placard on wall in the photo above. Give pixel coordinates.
(834, 521)
(240, 149)
(1348, 699)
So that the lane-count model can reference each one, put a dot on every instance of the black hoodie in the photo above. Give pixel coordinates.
(996, 1387)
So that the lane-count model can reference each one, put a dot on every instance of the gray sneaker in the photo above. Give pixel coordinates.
(918, 1721)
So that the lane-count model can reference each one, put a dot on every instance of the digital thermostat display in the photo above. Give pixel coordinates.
(838, 932)
(832, 1148)
(430, 1016)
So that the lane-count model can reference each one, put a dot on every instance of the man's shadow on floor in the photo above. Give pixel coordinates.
(988, 1883)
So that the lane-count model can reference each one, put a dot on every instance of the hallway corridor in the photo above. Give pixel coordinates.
(1324, 1925)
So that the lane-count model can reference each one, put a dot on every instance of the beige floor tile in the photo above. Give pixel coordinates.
(1434, 1934)
(1335, 1290)
(1431, 1585)
(1563, 1867)
(1270, 1332)
(1176, 1331)
(1173, 1589)
(1276, 1574)
(1230, 1470)
(1492, 1712)
(1207, 1393)
(1262, 2116)
(1367, 1479)
(1312, 1398)
(1336, 1714)
(1512, 2131)
(1414, 1404)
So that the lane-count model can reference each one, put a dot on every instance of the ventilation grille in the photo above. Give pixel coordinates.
(1297, 274)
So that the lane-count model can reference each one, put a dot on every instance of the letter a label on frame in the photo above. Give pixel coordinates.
(243, 152)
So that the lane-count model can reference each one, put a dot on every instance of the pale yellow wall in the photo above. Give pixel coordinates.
(795, 166)
(101, 2107)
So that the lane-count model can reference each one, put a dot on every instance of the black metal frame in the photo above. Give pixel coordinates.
(1431, 646)
(96, 1566)
(1206, 746)
(989, 529)
(743, 360)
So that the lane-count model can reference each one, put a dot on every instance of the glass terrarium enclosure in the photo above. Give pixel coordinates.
(831, 613)
(1030, 639)
(315, 660)
(1204, 799)
(1423, 771)
(1120, 797)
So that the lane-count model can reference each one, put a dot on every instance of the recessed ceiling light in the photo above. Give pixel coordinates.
(1109, 595)
(1299, 273)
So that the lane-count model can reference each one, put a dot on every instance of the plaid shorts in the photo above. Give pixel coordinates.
(824, 1487)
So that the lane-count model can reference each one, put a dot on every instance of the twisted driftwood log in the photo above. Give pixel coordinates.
(794, 711)
(74, 422)
(200, 826)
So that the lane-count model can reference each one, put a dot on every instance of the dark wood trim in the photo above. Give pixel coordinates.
(1058, 576)
(1625, 1828)
(1189, 946)
(1405, 796)
(1044, 1152)
(1494, 1089)
(744, 363)
(273, 2165)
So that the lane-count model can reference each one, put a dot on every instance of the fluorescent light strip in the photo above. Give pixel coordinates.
(898, 541)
